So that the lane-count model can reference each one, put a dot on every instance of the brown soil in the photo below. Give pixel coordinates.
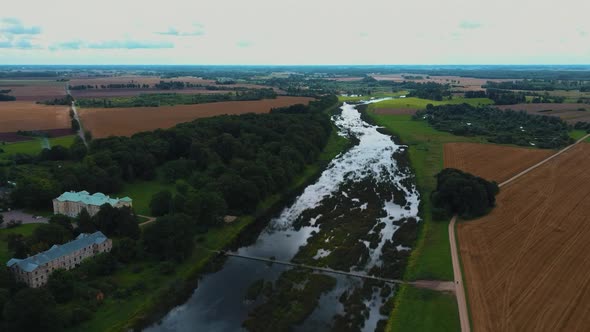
(526, 263)
(396, 111)
(569, 112)
(437, 285)
(106, 93)
(151, 80)
(461, 83)
(26, 115)
(37, 91)
(103, 122)
(491, 162)
(135, 79)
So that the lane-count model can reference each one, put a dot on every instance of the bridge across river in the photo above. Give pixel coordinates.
(315, 268)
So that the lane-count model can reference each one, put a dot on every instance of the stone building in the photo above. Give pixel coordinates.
(72, 203)
(35, 270)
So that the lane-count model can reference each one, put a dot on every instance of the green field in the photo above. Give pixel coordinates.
(375, 96)
(34, 147)
(577, 134)
(141, 193)
(425, 310)
(25, 230)
(419, 103)
(431, 258)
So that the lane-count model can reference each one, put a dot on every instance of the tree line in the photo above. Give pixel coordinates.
(498, 126)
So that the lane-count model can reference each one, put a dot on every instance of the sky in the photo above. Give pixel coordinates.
(295, 32)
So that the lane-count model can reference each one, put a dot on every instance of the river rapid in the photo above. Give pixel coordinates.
(372, 183)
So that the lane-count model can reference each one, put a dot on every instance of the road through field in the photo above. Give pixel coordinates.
(459, 288)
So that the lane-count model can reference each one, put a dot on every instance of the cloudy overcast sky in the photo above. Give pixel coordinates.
(295, 32)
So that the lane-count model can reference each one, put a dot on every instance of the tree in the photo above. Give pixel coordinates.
(169, 237)
(46, 235)
(75, 125)
(125, 250)
(161, 203)
(462, 193)
(85, 223)
(1, 219)
(61, 285)
(62, 220)
(32, 309)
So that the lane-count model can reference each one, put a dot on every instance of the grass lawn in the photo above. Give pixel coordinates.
(25, 230)
(141, 193)
(431, 258)
(375, 96)
(426, 310)
(34, 147)
(419, 103)
(577, 134)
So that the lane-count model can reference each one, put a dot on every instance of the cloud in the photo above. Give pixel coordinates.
(243, 44)
(68, 45)
(14, 26)
(22, 43)
(130, 44)
(196, 29)
(470, 25)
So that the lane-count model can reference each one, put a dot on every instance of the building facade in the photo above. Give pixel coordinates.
(72, 203)
(35, 270)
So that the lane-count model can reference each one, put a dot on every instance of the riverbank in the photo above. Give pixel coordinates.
(140, 309)
(431, 258)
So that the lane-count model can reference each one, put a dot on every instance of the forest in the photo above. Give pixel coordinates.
(497, 126)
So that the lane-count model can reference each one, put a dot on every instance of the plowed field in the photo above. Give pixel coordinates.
(26, 115)
(103, 122)
(526, 263)
(491, 162)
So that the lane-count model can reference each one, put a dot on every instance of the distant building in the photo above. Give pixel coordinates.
(72, 203)
(35, 270)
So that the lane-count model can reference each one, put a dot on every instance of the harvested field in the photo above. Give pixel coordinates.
(491, 162)
(569, 112)
(461, 83)
(136, 79)
(106, 93)
(26, 115)
(52, 133)
(103, 122)
(396, 111)
(152, 80)
(526, 263)
(34, 90)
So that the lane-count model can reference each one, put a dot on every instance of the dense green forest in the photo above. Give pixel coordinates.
(505, 127)
(462, 193)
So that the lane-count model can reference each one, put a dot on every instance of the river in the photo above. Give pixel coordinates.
(376, 162)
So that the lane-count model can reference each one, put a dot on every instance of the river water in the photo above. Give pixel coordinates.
(218, 303)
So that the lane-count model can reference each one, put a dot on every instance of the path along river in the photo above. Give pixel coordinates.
(218, 304)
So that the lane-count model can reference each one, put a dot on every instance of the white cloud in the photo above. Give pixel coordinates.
(299, 32)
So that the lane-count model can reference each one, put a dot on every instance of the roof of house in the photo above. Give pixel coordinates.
(82, 241)
(94, 199)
